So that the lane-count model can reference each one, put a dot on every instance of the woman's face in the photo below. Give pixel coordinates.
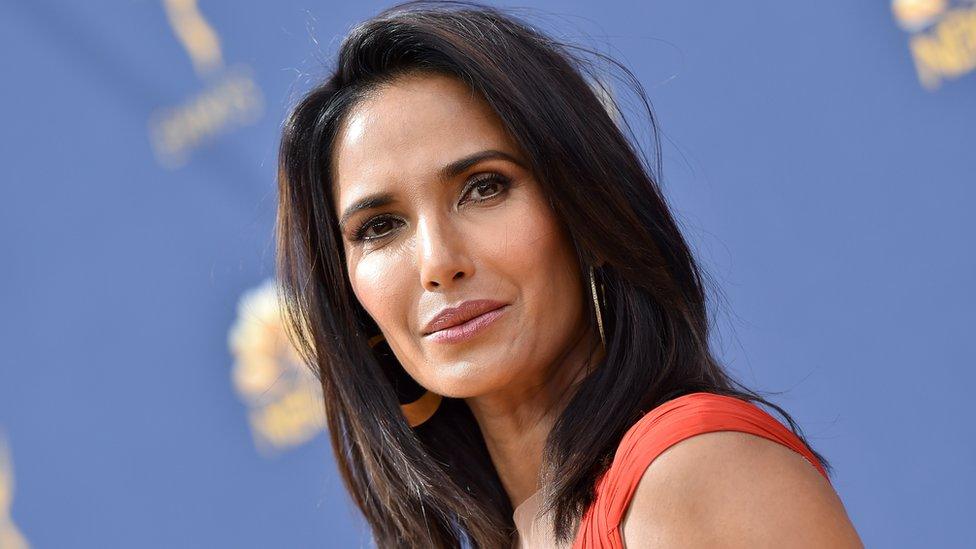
(447, 232)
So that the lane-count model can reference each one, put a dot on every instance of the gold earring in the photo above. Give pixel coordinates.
(596, 305)
(423, 408)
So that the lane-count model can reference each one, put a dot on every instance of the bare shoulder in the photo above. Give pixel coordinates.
(735, 489)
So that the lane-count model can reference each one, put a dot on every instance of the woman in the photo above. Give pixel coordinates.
(509, 329)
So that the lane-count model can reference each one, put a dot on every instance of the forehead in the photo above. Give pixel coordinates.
(408, 130)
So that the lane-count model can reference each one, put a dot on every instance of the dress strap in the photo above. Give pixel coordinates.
(658, 430)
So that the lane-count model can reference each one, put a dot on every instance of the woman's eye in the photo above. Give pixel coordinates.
(375, 229)
(488, 187)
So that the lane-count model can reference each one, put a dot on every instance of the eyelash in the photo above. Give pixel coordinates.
(503, 182)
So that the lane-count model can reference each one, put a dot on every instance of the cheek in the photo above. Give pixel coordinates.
(379, 284)
(529, 249)
(556, 285)
(537, 251)
(525, 234)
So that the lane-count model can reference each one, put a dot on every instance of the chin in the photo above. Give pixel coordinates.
(467, 380)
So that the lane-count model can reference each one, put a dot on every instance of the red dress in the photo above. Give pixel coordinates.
(662, 427)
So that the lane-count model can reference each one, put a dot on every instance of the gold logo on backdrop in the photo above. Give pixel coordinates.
(283, 397)
(942, 37)
(10, 536)
(198, 37)
(230, 99)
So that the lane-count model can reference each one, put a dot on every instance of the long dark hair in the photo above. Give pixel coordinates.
(435, 485)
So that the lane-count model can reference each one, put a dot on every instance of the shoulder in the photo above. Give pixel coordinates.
(734, 489)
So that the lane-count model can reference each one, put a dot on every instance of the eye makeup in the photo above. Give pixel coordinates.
(479, 181)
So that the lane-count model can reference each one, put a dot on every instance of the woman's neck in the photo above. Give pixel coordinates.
(516, 421)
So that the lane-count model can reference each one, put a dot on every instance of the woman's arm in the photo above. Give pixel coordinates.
(735, 489)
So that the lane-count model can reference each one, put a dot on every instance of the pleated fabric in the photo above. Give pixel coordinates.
(662, 427)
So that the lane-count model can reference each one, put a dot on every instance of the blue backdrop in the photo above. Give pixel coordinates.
(819, 154)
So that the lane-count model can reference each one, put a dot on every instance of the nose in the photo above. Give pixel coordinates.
(443, 254)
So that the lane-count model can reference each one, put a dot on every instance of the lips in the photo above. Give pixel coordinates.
(453, 316)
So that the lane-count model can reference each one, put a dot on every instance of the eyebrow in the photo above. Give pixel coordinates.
(455, 168)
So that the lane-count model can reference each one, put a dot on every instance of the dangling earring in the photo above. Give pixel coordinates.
(596, 305)
(417, 410)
